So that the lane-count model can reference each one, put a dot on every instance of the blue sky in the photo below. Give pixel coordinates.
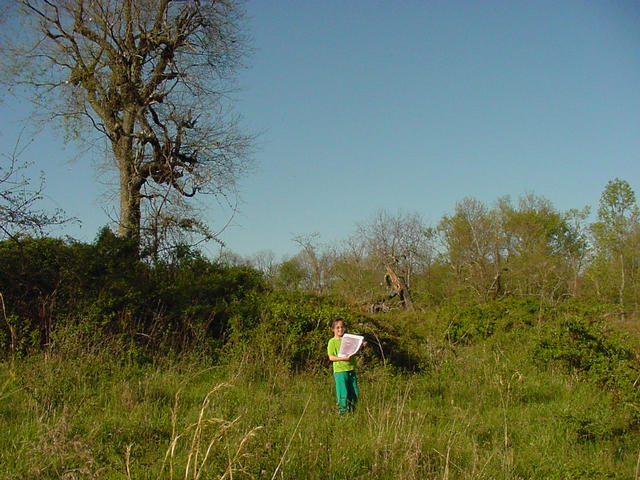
(408, 105)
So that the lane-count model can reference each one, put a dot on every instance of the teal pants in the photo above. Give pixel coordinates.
(346, 390)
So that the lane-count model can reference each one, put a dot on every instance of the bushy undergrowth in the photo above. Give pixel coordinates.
(473, 322)
(481, 411)
(590, 349)
(512, 404)
(50, 285)
(293, 329)
(118, 369)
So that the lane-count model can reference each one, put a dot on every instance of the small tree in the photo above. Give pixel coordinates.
(317, 262)
(544, 248)
(292, 274)
(574, 245)
(399, 245)
(474, 247)
(616, 237)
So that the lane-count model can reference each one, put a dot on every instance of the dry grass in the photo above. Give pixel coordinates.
(200, 438)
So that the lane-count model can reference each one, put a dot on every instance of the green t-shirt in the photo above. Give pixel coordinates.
(332, 349)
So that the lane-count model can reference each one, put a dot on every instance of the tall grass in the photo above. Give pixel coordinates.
(480, 411)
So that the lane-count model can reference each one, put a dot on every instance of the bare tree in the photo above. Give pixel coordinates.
(170, 223)
(398, 243)
(19, 198)
(474, 244)
(264, 261)
(152, 77)
(317, 260)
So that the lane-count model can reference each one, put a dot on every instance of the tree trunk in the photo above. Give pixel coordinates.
(399, 288)
(622, 281)
(131, 182)
(130, 213)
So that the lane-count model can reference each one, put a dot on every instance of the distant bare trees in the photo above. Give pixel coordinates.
(524, 248)
(20, 210)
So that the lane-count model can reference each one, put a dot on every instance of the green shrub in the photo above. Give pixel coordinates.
(50, 284)
(589, 348)
(293, 329)
(470, 323)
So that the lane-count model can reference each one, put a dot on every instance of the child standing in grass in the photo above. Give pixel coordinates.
(344, 370)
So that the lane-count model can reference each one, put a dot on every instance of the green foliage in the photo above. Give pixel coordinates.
(614, 272)
(589, 347)
(528, 249)
(486, 412)
(292, 331)
(617, 204)
(291, 274)
(471, 323)
(30, 283)
(48, 284)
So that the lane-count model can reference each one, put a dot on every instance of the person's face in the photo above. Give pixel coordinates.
(338, 329)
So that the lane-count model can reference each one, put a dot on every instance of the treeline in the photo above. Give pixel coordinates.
(53, 290)
(480, 252)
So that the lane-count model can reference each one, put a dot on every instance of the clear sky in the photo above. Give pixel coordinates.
(408, 105)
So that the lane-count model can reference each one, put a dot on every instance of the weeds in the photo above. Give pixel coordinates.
(486, 409)
(201, 439)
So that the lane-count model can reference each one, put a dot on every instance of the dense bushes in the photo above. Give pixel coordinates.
(468, 323)
(293, 328)
(55, 289)
(587, 346)
(101, 289)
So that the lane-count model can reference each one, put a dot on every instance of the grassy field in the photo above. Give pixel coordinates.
(483, 410)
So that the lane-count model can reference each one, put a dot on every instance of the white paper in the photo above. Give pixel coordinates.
(350, 344)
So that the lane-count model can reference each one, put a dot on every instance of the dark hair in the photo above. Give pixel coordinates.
(336, 320)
